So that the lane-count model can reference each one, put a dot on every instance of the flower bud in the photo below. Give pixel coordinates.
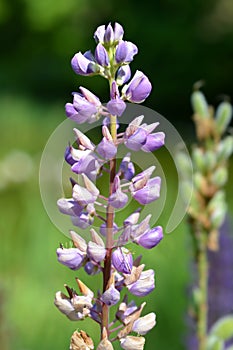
(71, 257)
(150, 238)
(199, 159)
(223, 117)
(82, 65)
(78, 241)
(125, 52)
(105, 344)
(96, 252)
(132, 343)
(122, 260)
(218, 215)
(199, 104)
(144, 285)
(107, 149)
(210, 160)
(81, 340)
(111, 296)
(219, 177)
(138, 89)
(123, 75)
(101, 55)
(225, 148)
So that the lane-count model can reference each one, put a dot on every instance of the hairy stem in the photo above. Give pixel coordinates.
(109, 236)
(202, 264)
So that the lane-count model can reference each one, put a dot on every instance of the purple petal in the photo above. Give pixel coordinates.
(118, 32)
(137, 140)
(148, 193)
(144, 285)
(118, 199)
(154, 142)
(111, 296)
(123, 75)
(116, 107)
(71, 257)
(69, 207)
(106, 149)
(81, 64)
(138, 88)
(83, 220)
(122, 260)
(150, 238)
(101, 55)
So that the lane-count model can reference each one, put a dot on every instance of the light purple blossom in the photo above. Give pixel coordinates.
(122, 260)
(125, 309)
(85, 218)
(71, 257)
(127, 167)
(125, 52)
(144, 285)
(117, 199)
(95, 251)
(116, 106)
(144, 189)
(138, 136)
(84, 64)
(108, 34)
(150, 238)
(101, 55)
(138, 89)
(111, 296)
(86, 107)
(103, 229)
(123, 74)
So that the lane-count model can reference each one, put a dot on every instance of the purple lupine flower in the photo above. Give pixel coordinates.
(125, 52)
(85, 218)
(69, 207)
(139, 136)
(127, 167)
(86, 107)
(116, 106)
(84, 64)
(150, 238)
(106, 148)
(91, 269)
(88, 165)
(125, 309)
(144, 285)
(144, 189)
(138, 89)
(133, 218)
(111, 296)
(144, 324)
(122, 260)
(82, 195)
(154, 141)
(71, 257)
(118, 199)
(123, 75)
(68, 157)
(101, 55)
(107, 34)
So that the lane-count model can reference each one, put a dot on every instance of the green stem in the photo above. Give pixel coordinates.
(109, 236)
(202, 264)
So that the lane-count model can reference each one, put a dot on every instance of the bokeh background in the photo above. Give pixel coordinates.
(180, 42)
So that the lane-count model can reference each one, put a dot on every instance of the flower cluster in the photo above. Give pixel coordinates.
(105, 251)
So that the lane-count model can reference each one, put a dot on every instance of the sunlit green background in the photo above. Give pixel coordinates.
(179, 43)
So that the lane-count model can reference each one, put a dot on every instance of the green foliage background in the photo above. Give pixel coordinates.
(179, 43)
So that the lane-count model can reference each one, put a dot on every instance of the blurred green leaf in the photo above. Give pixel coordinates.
(223, 328)
(214, 343)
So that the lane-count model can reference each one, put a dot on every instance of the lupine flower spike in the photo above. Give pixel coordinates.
(104, 251)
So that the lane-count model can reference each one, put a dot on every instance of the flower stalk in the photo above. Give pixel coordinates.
(106, 253)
